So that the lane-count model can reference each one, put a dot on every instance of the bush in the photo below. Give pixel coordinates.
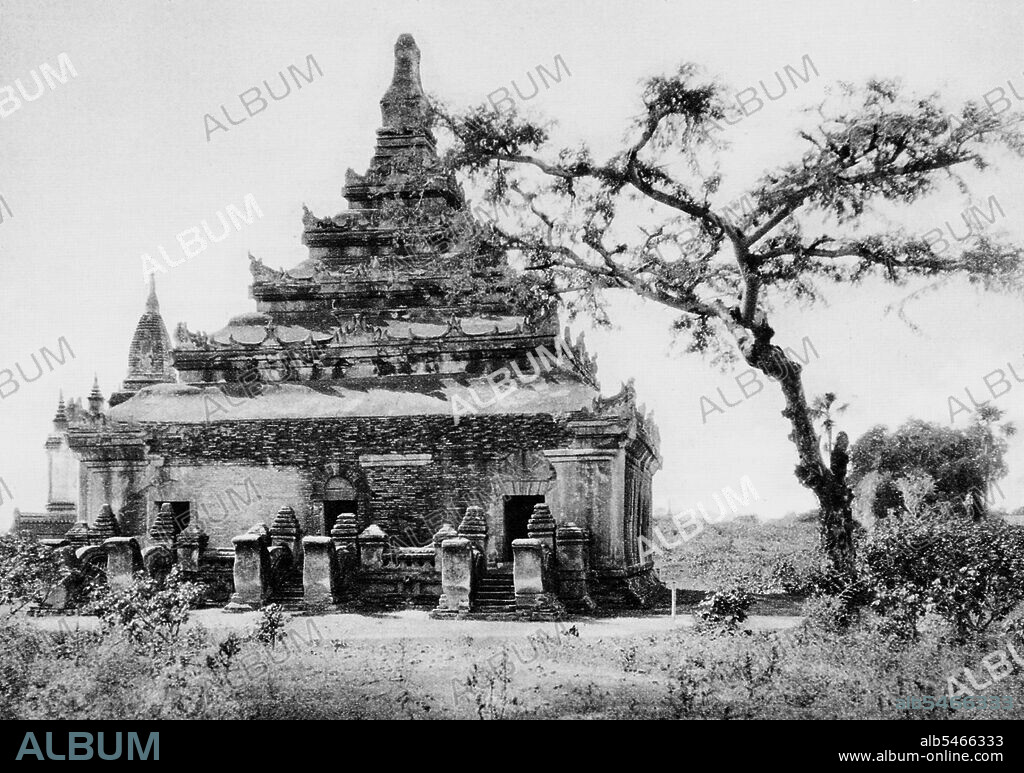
(271, 624)
(29, 573)
(724, 610)
(831, 613)
(148, 612)
(970, 573)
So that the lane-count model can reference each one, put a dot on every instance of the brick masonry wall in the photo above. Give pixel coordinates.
(287, 462)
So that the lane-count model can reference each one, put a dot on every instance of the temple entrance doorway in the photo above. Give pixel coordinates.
(518, 510)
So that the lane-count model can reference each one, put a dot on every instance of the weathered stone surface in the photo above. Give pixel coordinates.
(372, 542)
(541, 525)
(319, 572)
(158, 561)
(474, 527)
(533, 597)
(447, 531)
(285, 530)
(188, 547)
(527, 569)
(124, 559)
(571, 546)
(162, 530)
(456, 574)
(78, 534)
(251, 573)
(106, 525)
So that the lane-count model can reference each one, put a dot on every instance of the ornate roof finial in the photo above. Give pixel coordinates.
(404, 106)
(95, 397)
(62, 415)
(152, 304)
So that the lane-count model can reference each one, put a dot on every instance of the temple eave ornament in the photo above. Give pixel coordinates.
(261, 273)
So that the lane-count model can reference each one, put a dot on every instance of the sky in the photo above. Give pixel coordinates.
(115, 162)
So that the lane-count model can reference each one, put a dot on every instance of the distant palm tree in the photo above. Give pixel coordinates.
(824, 411)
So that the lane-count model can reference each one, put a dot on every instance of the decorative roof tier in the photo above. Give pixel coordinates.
(405, 196)
(375, 297)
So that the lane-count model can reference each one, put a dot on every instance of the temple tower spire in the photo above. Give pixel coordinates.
(152, 304)
(149, 356)
(404, 107)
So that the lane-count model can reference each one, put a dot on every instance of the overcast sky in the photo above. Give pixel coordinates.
(116, 162)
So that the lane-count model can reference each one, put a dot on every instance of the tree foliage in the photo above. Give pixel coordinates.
(30, 573)
(938, 466)
(970, 573)
(581, 226)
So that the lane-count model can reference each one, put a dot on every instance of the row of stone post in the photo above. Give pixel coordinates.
(549, 566)
(327, 562)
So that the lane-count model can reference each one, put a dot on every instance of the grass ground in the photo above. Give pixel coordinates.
(739, 550)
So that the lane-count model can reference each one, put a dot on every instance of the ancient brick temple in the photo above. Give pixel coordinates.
(368, 404)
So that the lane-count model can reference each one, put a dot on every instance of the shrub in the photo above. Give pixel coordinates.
(827, 612)
(271, 624)
(29, 573)
(970, 573)
(724, 610)
(149, 612)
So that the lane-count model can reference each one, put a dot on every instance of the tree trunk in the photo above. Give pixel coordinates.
(828, 482)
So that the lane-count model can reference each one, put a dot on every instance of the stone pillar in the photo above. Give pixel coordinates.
(123, 560)
(162, 530)
(528, 571)
(447, 531)
(319, 572)
(474, 528)
(345, 535)
(285, 531)
(371, 547)
(251, 573)
(541, 526)
(571, 547)
(158, 561)
(188, 546)
(456, 575)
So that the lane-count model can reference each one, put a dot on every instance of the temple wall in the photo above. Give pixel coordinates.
(227, 499)
(63, 472)
(406, 474)
(589, 492)
(412, 470)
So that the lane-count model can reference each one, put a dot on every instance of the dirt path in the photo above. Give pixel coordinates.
(417, 624)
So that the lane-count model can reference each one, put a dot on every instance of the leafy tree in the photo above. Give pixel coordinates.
(572, 226)
(994, 437)
(30, 573)
(943, 466)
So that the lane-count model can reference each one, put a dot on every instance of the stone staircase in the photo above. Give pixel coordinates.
(289, 592)
(495, 593)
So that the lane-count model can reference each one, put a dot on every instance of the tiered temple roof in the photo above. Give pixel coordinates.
(370, 323)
